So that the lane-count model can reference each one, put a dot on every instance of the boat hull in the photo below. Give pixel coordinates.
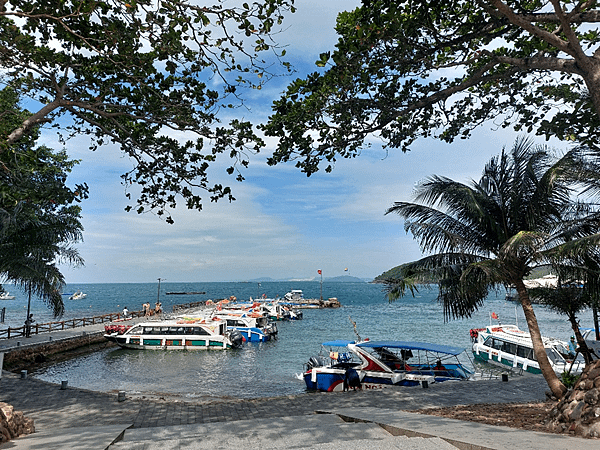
(332, 380)
(499, 361)
(252, 334)
(170, 343)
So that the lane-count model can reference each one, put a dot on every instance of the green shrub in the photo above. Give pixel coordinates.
(569, 379)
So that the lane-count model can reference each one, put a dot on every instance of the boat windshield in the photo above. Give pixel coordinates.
(554, 356)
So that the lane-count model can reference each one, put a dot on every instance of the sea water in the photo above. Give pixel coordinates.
(260, 369)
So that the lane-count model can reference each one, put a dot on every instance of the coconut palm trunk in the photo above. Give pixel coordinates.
(558, 389)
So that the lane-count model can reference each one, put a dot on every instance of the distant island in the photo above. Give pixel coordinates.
(340, 279)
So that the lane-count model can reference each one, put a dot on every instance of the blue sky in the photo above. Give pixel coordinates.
(282, 224)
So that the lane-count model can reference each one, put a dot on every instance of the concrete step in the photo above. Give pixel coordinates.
(241, 428)
(318, 432)
(76, 438)
(349, 443)
(389, 443)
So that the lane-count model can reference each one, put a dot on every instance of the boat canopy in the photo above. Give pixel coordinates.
(413, 346)
(337, 343)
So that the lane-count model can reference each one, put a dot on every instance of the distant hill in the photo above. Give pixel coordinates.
(340, 279)
(395, 273)
(345, 279)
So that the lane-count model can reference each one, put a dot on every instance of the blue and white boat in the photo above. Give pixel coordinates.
(378, 364)
(253, 326)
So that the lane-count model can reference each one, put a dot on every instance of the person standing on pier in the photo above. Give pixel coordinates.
(28, 322)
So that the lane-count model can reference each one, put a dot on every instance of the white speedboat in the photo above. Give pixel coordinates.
(78, 296)
(508, 346)
(589, 334)
(6, 296)
(179, 334)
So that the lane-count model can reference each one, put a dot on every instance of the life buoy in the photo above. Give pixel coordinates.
(474, 333)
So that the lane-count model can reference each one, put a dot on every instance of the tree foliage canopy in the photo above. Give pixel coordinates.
(150, 76)
(404, 70)
(39, 213)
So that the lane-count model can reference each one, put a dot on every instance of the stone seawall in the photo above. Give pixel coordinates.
(27, 357)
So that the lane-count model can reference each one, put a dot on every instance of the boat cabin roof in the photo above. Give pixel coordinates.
(337, 343)
(407, 345)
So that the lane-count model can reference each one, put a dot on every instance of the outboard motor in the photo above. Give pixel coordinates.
(352, 380)
(236, 338)
(271, 330)
(314, 361)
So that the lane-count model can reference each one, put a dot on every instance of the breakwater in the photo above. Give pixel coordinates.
(31, 355)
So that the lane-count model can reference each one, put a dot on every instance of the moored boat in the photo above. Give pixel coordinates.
(589, 334)
(379, 364)
(509, 347)
(179, 334)
(6, 296)
(254, 326)
(78, 296)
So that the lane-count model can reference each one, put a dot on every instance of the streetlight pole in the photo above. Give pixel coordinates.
(158, 295)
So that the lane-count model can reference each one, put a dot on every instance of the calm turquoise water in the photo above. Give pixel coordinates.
(266, 369)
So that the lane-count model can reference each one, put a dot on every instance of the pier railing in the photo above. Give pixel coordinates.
(37, 328)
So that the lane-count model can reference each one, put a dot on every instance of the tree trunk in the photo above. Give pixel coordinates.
(558, 389)
(595, 315)
(583, 348)
(592, 80)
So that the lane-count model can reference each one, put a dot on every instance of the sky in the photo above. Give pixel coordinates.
(283, 224)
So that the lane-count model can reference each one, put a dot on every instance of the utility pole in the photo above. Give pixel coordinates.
(158, 295)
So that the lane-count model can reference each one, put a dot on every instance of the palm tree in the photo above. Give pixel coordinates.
(31, 249)
(491, 233)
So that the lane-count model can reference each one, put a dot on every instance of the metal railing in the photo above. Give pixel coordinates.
(38, 328)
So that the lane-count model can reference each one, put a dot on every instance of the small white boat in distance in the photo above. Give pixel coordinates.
(78, 296)
(6, 296)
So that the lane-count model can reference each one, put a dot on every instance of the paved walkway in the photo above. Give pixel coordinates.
(76, 418)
